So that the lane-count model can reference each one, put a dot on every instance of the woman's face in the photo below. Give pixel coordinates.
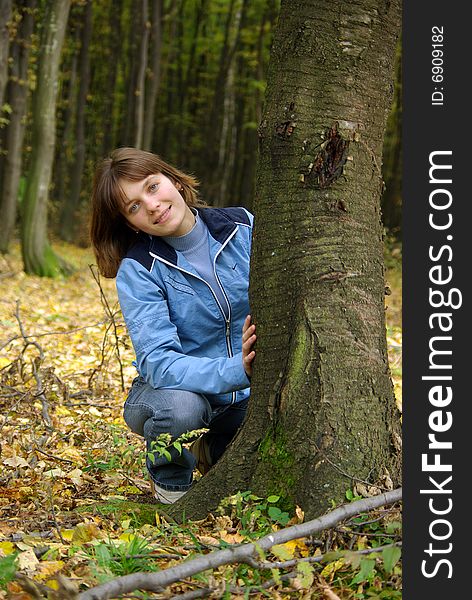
(154, 205)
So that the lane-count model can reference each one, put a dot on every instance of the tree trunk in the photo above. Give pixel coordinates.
(127, 132)
(70, 201)
(5, 14)
(65, 142)
(141, 75)
(155, 74)
(17, 98)
(38, 257)
(217, 114)
(108, 123)
(322, 414)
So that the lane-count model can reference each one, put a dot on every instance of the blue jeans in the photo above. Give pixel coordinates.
(150, 412)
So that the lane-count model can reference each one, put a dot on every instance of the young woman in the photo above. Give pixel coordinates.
(182, 273)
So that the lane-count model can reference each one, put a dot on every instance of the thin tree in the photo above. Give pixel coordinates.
(5, 14)
(70, 202)
(141, 74)
(322, 414)
(17, 97)
(38, 257)
(154, 75)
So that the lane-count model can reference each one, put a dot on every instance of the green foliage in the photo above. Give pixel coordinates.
(254, 515)
(112, 558)
(115, 451)
(163, 443)
(8, 567)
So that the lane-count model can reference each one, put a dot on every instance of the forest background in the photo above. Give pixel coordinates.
(185, 79)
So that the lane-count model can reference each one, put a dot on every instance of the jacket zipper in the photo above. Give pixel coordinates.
(229, 348)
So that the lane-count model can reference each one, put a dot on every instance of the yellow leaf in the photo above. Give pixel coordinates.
(72, 453)
(52, 583)
(331, 568)
(158, 519)
(67, 534)
(47, 568)
(283, 551)
(94, 411)
(125, 524)
(293, 545)
(62, 411)
(7, 548)
(127, 537)
(85, 532)
(129, 489)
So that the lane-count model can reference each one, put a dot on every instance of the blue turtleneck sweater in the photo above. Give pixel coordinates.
(195, 246)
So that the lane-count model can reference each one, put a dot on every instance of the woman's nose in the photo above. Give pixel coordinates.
(152, 204)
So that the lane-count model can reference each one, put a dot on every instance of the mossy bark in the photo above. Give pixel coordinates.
(322, 412)
(38, 257)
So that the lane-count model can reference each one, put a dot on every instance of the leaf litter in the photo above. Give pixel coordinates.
(74, 497)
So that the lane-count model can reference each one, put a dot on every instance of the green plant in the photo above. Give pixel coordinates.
(256, 515)
(115, 451)
(163, 443)
(114, 559)
(7, 569)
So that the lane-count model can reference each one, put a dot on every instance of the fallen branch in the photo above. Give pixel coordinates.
(36, 366)
(245, 553)
(112, 324)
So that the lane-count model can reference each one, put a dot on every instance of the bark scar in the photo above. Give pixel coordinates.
(327, 166)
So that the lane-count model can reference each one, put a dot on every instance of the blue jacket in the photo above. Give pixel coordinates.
(180, 335)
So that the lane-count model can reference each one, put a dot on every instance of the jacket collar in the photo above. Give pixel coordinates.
(220, 226)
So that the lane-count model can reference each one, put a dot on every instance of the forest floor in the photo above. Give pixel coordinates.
(74, 498)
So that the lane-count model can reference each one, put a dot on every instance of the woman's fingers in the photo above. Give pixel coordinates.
(249, 338)
(247, 323)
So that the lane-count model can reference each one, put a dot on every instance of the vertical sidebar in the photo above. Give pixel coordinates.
(436, 330)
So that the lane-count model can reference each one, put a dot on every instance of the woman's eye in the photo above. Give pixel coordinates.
(134, 207)
(153, 187)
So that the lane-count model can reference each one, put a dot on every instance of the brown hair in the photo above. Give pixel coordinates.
(110, 233)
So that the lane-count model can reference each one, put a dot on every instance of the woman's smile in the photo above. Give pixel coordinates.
(164, 216)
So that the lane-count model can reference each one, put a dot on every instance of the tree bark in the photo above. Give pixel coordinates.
(17, 98)
(322, 413)
(155, 74)
(5, 14)
(70, 201)
(38, 257)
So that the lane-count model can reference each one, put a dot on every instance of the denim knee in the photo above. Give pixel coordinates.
(150, 412)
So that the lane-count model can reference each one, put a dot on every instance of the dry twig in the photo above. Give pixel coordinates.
(245, 553)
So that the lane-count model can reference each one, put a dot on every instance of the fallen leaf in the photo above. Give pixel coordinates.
(7, 548)
(27, 561)
(15, 462)
(85, 532)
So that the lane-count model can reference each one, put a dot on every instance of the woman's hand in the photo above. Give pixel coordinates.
(249, 338)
